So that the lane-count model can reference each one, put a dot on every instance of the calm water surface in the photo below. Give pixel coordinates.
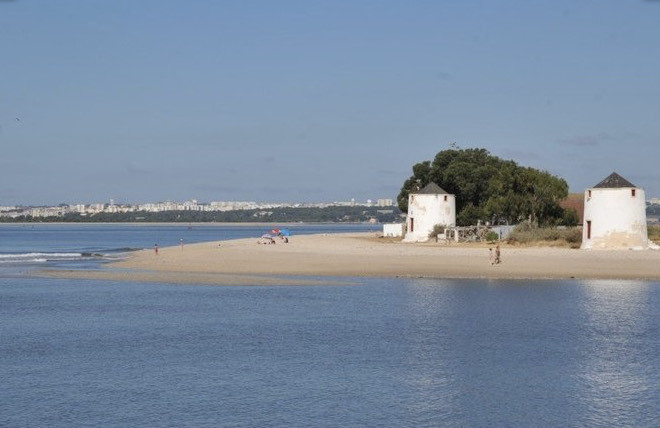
(387, 352)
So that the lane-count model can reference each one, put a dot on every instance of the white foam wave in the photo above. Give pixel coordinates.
(16, 261)
(20, 256)
(37, 257)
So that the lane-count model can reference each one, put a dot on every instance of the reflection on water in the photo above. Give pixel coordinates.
(428, 374)
(557, 353)
(618, 359)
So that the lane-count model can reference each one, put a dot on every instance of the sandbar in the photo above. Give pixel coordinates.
(310, 259)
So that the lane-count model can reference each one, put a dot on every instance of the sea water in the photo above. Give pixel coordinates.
(25, 247)
(385, 352)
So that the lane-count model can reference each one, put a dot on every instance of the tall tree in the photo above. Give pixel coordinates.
(489, 188)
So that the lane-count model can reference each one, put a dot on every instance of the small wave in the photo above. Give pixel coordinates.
(45, 257)
(20, 256)
(17, 261)
(123, 250)
(38, 257)
(91, 255)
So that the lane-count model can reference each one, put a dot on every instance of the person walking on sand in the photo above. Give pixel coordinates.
(156, 249)
(498, 260)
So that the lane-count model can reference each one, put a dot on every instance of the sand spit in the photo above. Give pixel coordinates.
(244, 261)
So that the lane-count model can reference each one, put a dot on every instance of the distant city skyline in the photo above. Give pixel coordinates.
(91, 209)
(317, 101)
(111, 201)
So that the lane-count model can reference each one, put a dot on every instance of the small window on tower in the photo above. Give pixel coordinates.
(588, 193)
(632, 192)
(445, 198)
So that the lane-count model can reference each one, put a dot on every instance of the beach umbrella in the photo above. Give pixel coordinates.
(285, 232)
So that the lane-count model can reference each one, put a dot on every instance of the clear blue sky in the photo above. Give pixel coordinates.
(308, 100)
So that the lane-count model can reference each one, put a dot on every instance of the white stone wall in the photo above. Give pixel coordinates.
(425, 211)
(615, 218)
(393, 230)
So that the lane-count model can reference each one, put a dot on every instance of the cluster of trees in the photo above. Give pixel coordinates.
(488, 188)
(355, 214)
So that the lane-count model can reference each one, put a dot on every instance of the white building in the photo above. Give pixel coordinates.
(393, 230)
(614, 215)
(426, 208)
(191, 205)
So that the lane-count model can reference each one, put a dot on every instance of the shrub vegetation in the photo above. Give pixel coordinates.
(492, 236)
(437, 229)
(654, 234)
(525, 233)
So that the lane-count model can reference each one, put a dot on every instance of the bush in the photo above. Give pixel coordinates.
(528, 234)
(492, 236)
(573, 235)
(570, 218)
(437, 229)
(654, 234)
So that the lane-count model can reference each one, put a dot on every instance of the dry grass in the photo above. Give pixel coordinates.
(654, 234)
(385, 239)
(547, 237)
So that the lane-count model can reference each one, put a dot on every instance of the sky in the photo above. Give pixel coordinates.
(317, 101)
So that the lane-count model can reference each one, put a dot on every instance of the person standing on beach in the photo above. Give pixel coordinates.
(497, 254)
(156, 249)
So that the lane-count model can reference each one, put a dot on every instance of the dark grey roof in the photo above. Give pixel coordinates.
(614, 181)
(431, 189)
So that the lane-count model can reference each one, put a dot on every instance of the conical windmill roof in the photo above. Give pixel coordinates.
(431, 189)
(614, 181)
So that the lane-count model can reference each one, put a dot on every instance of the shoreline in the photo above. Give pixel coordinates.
(203, 223)
(352, 255)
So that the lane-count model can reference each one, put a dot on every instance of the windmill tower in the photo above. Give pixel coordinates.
(426, 208)
(615, 215)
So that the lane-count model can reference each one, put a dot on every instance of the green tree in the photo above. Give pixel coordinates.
(420, 178)
(489, 188)
(570, 218)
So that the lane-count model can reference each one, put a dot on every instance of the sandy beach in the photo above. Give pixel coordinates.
(244, 261)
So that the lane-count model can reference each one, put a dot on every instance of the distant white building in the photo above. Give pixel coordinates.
(426, 208)
(614, 215)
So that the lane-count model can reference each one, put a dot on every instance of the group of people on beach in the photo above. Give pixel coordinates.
(271, 240)
(495, 257)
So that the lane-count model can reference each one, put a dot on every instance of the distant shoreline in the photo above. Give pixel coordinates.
(332, 256)
(137, 223)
